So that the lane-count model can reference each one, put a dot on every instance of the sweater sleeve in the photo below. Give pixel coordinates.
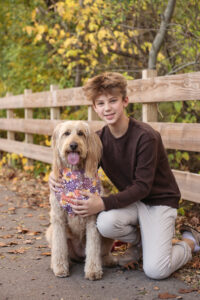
(143, 177)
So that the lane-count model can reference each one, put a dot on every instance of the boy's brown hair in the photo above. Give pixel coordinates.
(107, 82)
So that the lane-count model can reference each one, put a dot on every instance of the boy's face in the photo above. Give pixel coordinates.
(110, 107)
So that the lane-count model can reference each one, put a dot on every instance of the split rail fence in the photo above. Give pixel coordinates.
(148, 91)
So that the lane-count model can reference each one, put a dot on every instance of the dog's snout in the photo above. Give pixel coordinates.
(73, 146)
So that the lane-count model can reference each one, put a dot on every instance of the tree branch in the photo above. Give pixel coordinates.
(179, 68)
(126, 54)
(159, 38)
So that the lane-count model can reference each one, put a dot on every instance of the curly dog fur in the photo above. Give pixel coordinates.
(76, 237)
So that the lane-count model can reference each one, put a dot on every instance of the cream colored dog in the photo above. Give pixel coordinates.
(77, 147)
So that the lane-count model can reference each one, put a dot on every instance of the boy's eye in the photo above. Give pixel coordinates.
(113, 100)
(100, 103)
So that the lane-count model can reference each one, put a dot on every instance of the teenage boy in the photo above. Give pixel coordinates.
(135, 160)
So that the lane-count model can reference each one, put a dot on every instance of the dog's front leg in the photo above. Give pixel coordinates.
(59, 250)
(93, 264)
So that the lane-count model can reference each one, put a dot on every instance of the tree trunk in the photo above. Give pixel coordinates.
(159, 38)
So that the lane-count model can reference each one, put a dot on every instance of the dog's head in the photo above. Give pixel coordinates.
(75, 145)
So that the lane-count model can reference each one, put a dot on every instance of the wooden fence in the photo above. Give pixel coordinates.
(148, 91)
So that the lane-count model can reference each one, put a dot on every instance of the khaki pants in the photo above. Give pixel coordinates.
(157, 224)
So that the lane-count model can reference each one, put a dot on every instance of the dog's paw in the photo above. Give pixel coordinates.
(96, 275)
(61, 271)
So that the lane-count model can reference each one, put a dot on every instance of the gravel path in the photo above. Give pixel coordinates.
(25, 260)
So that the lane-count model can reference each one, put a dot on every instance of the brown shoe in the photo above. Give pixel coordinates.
(194, 232)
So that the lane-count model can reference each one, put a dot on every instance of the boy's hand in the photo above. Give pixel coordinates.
(54, 184)
(85, 208)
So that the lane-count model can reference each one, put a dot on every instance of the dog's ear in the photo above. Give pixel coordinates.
(94, 153)
(56, 157)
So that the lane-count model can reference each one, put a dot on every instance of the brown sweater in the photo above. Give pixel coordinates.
(137, 164)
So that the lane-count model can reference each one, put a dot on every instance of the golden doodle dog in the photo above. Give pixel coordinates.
(76, 154)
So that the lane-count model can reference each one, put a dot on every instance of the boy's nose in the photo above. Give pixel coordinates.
(107, 106)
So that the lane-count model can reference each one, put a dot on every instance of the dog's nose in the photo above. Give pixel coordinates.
(73, 146)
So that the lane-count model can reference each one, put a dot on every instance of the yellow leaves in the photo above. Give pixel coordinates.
(88, 2)
(94, 62)
(29, 29)
(116, 33)
(46, 177)
(61, 51)
(62, 33)
(53, 32)
(24, 161)
(41, 28)
(92, 38)
(72, 53)
(146, 45)
(28, 168)
(160, 56)
(122, 45)
(48, 142)
(104, 50)
(134, 33)
(70, 41)
(93, 26)
(33, 15)
(14, 156)
(60, 8)
(67, 10)
(4, 160)
(102, 34)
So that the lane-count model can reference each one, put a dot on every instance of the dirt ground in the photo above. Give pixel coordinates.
(25, 263)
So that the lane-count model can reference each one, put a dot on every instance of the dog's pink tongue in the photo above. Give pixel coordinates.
(73, 158)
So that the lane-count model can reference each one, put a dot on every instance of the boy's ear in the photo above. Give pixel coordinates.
(126, 101)
(94, 107)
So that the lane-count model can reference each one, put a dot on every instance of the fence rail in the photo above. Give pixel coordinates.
(147, 91)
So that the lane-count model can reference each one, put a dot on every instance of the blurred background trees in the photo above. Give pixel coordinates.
(65, 42)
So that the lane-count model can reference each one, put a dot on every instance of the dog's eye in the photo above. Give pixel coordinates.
(80, 133)
(67, 132)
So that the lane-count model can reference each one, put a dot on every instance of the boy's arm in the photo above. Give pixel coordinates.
(143, 177)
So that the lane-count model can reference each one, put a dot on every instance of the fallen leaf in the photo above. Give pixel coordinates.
(12, 243)
(28, 242)
(46, 253)
(156, 288)
(22, 230)
(34, 233)
(185, 291)
(16, 251)
(42, 246)
(166, 296)
(12, 208)
(8, 236)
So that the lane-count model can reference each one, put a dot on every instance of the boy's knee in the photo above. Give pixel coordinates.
(156, 270)
(106, 223)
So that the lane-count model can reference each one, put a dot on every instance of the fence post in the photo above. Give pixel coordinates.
(92, 115)
(10, 115)
(10, 134)
(28, 114)
(54, 111)
(149, 111)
